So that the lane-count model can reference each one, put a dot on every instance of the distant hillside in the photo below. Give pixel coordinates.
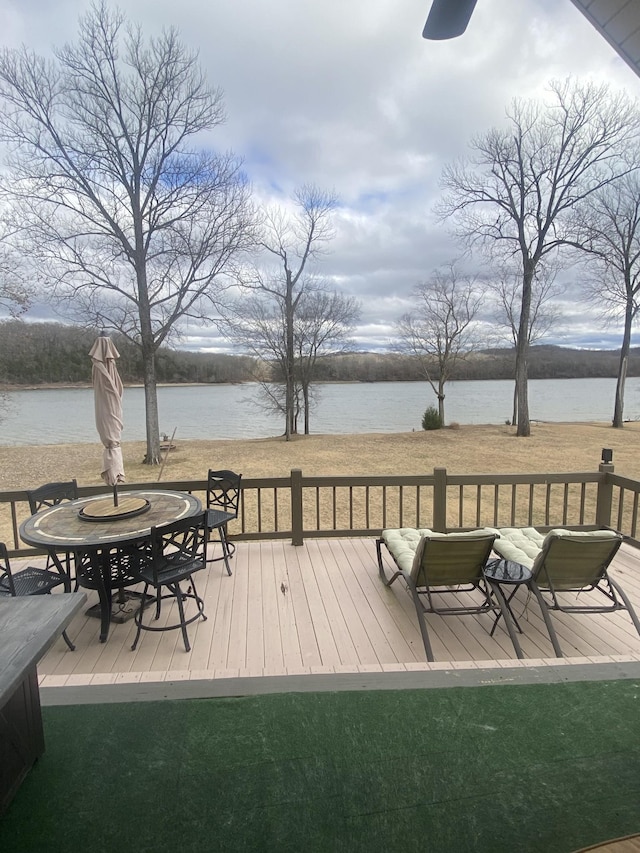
(545, 362)
(550, 362)
(52, 353)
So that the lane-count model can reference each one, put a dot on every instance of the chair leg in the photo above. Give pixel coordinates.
(422, 622)
(70, 645)
(175, 588)
(386, 581)
(137, 618)
(231, 546)
(228, 548)
(174, 591)
(627, 603)
(198, 600)
(65, 637)
(547, 618)
(226, 551)
(64, 571)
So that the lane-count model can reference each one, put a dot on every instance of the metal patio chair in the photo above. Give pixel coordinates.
(109, 568)
(437, 565)
(28, 581)
(566, 562)
(178, 551)
(48, 495)
(223, 498)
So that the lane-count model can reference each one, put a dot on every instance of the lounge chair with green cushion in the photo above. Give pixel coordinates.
(567, 561)
(439, 564)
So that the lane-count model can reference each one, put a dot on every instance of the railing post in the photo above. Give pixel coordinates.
(440, 500)
(296, 507)
(604, 499)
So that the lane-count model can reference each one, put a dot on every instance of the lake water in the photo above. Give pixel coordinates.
(231, 411)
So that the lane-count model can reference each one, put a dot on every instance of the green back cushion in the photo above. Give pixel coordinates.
(565, 558)
(439, 559)
(572, 559)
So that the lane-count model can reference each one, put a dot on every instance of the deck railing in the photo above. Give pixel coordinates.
(298, 507)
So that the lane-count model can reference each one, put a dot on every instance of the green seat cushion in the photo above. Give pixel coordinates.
(402, 543)
(520, 544)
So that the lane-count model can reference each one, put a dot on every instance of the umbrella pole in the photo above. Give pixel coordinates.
(115, 494)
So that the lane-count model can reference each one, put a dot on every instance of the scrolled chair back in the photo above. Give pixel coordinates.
(223, 491)
(51, 494)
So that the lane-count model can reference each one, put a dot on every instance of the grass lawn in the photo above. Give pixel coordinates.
(544, 767)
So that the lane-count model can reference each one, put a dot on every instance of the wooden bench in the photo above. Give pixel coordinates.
(28, 627)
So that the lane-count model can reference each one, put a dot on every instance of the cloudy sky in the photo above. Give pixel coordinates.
(346, 94)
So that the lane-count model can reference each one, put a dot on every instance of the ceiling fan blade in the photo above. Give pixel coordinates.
(448, 18)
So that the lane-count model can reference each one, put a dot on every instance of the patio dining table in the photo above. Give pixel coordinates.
(72, 526)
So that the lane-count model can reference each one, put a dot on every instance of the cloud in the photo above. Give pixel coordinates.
(346, 94)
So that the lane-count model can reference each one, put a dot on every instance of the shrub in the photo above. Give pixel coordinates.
(454, 425)
(431, 419)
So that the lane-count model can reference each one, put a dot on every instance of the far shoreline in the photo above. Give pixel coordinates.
(70, 386)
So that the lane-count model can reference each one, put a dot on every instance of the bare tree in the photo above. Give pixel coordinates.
(609, 231)
(440, 330)
(514, 194)
(321, 325)
(128, 226)
(256, 326)
(16, 290)
(507, 288)
(291, 240)
(15, 293)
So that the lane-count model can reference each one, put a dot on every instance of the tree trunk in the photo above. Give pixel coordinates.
(514, 413)
(523, 422)
(153, 455)
(289, 396)
(618, 411)
(522, 354)
(441, 402)
(305, 397)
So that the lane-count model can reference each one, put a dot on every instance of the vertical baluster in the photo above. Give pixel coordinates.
(384, 507)
(621, 508)
(547, 504)
(275, 510)
(531, 491)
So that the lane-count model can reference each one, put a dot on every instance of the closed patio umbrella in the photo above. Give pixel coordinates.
(107, 387)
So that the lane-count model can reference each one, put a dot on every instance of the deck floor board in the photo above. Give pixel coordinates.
(288, 609)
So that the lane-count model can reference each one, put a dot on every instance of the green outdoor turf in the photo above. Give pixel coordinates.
(498, 768)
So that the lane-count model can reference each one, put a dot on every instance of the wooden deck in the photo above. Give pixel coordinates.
(318, 609)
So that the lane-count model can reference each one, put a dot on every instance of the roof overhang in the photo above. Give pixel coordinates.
(619, 22)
